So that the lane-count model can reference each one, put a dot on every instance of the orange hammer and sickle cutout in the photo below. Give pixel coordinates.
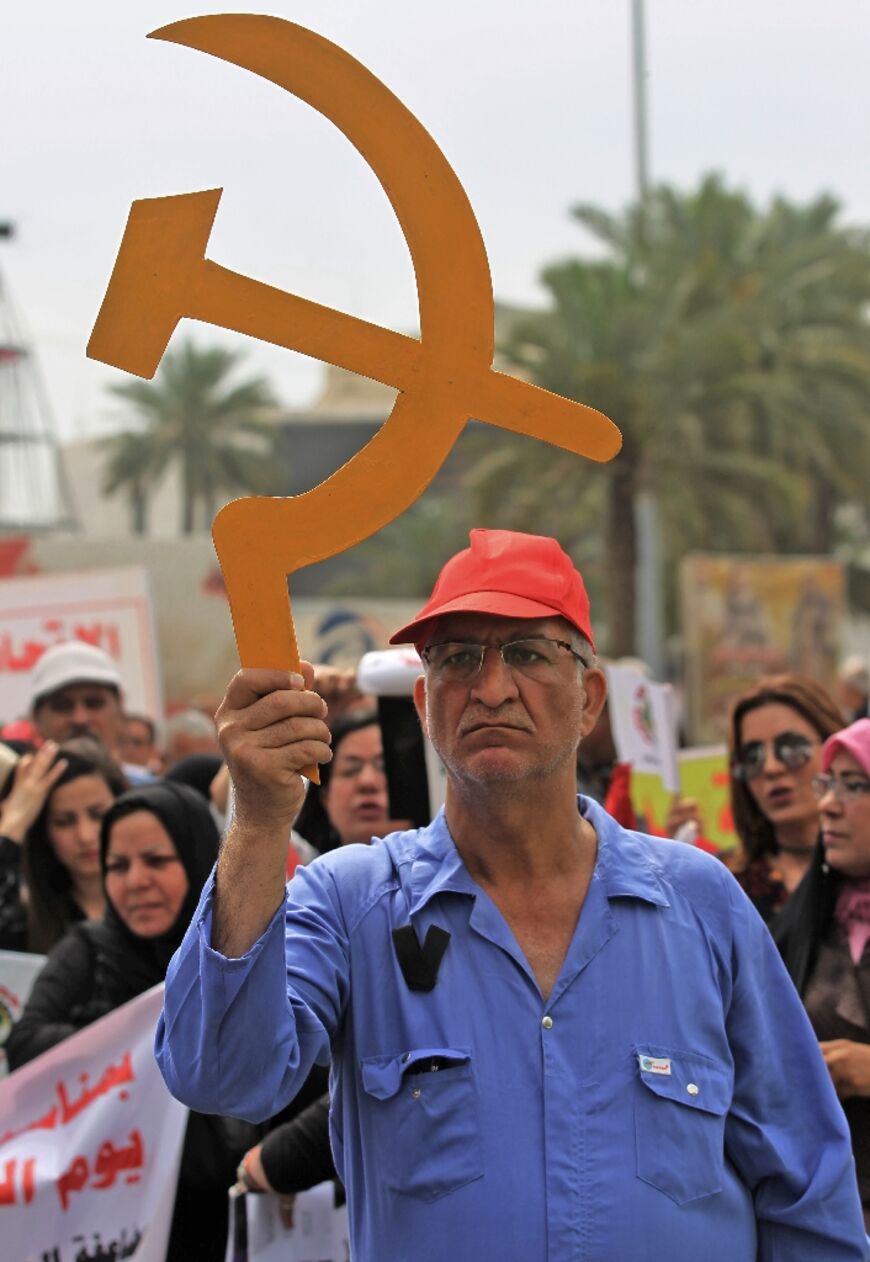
(445, 378)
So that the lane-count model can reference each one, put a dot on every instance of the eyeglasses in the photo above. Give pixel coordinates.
(844, 791)
(536, 658)
(792, 749)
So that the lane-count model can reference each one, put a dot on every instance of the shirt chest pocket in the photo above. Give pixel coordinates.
(681, 1102)
(423, 1111)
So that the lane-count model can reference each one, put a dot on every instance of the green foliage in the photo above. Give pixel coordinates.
(730, 345)
(194, 417)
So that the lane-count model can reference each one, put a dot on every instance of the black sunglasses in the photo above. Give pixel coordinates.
(792, 749)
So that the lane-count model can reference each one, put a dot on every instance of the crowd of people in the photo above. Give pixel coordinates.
(110, 826)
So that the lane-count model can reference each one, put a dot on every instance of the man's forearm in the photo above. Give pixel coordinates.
(249, 886)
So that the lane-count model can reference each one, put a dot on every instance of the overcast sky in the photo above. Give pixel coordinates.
(531, 103)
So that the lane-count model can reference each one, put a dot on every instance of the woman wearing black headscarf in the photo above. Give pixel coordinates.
(158, 844)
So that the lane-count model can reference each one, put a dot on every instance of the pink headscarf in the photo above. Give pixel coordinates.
(853, 904)
(854, 740)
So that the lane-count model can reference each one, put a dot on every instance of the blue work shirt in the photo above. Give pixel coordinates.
(666, 1103)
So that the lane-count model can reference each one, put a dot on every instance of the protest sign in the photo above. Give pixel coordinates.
(319, 1231)
(90, 1141)
(643, 723)
(18, 972)
(110, 609)
(704, 778)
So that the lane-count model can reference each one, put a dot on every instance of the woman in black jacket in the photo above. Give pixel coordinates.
(158, 844)
(823, 933)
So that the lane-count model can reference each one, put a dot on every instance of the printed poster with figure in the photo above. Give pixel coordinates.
(90, 1142)
(744, 617)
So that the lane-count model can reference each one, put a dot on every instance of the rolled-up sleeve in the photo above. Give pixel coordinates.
(786, 1133)
(238, 1037)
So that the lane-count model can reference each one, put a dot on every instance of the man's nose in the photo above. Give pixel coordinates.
(494, 682)
(80, 715)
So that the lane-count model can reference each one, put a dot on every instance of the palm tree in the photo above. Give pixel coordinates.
(731, 347)
(192, 416)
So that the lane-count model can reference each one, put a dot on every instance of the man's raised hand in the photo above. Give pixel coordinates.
(271, 725)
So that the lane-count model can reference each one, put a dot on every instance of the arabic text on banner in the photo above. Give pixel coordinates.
(90, 1141)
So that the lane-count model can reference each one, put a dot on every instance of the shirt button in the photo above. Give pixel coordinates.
(693, 1089)
(547, 1023)
(416, 1093)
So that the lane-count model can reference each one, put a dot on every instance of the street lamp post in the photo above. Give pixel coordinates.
(648, 584)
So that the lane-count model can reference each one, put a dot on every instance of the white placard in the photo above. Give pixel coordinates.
(110, 609)
(644, 725)
(18, 972)
(90, 1141)
(318, 1234)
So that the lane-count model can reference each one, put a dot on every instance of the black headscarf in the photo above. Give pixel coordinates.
(799, 928)
(196, 770)
(137, 963)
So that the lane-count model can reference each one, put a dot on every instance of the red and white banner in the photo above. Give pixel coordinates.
(110, 609)
(90, 1141)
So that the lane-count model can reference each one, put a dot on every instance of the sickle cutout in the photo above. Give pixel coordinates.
(446, 377)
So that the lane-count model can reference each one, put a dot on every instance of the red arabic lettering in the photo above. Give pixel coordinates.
(8, 1195)
(73, 1180)
(110, 1163)
(114, 1076)
(24, 660)
(47, 1122)
(103, 635)
(21, 658)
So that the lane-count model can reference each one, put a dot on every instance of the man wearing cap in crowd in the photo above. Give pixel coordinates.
(75, 690)
(552, 1039)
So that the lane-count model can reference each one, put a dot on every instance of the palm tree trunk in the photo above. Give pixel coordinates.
(139, 504)
(188, 502)
(824, 502)
(621, 552)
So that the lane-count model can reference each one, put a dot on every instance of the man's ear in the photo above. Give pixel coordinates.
(420, 702)
(595, 686)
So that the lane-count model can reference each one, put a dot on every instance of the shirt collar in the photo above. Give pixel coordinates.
(429, 863)
(625, 864)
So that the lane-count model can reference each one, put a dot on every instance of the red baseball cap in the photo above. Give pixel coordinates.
(509, 574)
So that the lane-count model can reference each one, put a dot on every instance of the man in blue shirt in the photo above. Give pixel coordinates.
(552, 1040)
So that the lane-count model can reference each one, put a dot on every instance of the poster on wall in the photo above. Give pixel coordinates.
(744, 617)
(110, 609)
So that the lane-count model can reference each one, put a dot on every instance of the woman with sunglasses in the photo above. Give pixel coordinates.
(824, 930)
(776, 732)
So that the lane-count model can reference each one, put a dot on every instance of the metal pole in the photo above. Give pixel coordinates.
(649, 577)
(641, 145)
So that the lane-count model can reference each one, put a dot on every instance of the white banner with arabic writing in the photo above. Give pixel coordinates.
(18, 972)
(90, 1146)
